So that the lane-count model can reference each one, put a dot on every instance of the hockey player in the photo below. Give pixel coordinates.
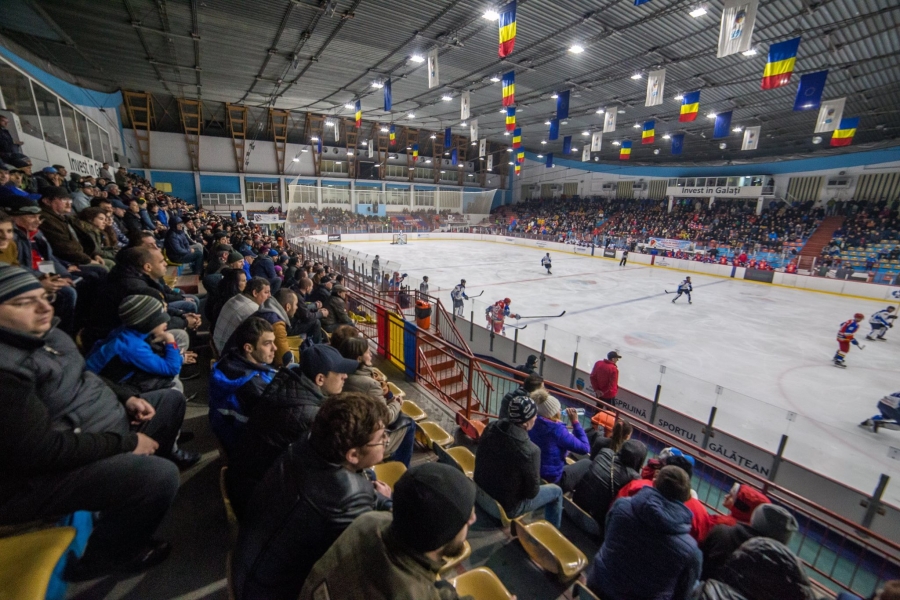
(496, 315)
(845, 338)
(684, 287)
(880, 323)
(889, 416)
(545, 262)
(458, 294)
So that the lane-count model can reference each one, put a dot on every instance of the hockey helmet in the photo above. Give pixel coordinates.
(506, 301)
(859, 316)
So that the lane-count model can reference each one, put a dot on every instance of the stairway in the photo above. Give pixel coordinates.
(821, 237)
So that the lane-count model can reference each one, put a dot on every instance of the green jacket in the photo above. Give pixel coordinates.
(368, 563)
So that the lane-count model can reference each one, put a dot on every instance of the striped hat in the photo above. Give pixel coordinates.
(15, 281)
(142, 313)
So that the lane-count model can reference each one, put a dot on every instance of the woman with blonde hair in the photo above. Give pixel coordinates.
(554, 439)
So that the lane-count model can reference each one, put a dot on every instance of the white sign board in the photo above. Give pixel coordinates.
(716, 191)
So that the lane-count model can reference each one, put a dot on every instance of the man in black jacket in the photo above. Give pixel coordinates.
(607, 474)
(532, 382)
(311, 494)
(508, 465)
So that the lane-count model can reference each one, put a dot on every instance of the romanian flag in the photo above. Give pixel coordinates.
(625, 150)
(843, 135)
(517, 138)
(518, 169)
(507, 29)
(510, 118)
(690, 106)
(649, 133)
(393, 136)
(415, 152)
(358, 113)
(780, 65)
(520, 157)
(509, 88)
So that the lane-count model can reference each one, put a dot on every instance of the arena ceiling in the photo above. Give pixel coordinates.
(308, 55)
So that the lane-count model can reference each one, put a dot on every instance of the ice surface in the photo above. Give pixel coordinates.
(769, 347)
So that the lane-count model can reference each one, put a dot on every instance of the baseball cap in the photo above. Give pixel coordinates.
(323, 359)
(613, 355)
(49, 170)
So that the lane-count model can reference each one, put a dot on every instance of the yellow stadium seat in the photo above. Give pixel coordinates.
(389, 472)
(294, 341)
(460, 457)
(412, 410)
(396, 391)
(582, 519)
(378, 374)
(27, 561)
(481, 584)
(551, 550)
(583, 593)
(483, 497)
(170, 262)
(450, 563)
(429, 433)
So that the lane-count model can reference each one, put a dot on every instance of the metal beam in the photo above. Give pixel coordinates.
(237, 122)
(192, 122)
(140, 113)
(278, 126)
(182, 36)
(315, 128)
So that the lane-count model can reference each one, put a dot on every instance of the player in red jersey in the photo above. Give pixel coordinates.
(845, 338)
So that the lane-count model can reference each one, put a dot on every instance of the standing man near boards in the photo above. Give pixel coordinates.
(605, 378)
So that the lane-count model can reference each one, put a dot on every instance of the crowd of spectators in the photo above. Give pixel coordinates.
(868, 238)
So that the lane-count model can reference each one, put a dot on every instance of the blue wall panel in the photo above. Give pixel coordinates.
(220, 184)
(182, 184)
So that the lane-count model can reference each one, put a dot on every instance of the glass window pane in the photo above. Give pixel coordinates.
(690, 182)
(17, 94)
(96, 152)
(68, 118)
(48, 108)
(732, 181)
(721, 181)
(83, 134)
(104, 143)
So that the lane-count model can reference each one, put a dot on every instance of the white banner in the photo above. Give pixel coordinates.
(596, 141)
(609, 121)
(464, 103)
(433, 72)
(370, 149)
(490, 162)
(265, 217)
(830, 114)
(734, 191)
(738, 18)
(751, 138)
(482, 147)
(656, 83)
(473, 129)
(586, 154)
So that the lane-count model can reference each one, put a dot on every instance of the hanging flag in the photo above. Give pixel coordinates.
(596, 141)
(518, 169)
(510, 118)
(738, 19)
(387, 96)
(830, 115)
(751, 138)
(562, 105)
(586, 154)
(723, 125)
(843, 135)
(567, 144)
(520, 157)
(415, 153)
(509, 88)
(335, 127)
(482, 147)
(517, 138)
(780, 65)
(473, 129)
(648, 135)
(393, 135)
(554, 129)
(639, 2)
(448, 137)
(490, 162)
(809, 92)
(690, 106)
(319, 146)
(507, 29)
(454, 157)
(358, 114)
(609, 121)
(370, 149)
(550, 160)
(656, 84)
(434, 74)
(625, 150)
(464, 104)
(677, 143)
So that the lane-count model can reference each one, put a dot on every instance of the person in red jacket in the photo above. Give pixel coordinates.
(605, 378)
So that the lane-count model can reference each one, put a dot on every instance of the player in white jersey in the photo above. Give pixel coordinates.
(458, 294)
(684, 287)
(880, 322)
(545, 262)
(889, 414)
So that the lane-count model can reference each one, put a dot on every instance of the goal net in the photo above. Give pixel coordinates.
(399, 238)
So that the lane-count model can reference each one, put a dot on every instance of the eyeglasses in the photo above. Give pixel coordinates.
(385, 438)
(29, 302)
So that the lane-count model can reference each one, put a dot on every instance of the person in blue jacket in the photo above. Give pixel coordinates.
(139, 353)
(553, 438)
(180, 249)
(648, 551)
(263, 266)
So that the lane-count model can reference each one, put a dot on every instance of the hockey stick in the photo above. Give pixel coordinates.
(514, 326)
(861, 346)
(473, 297)
(542, 316)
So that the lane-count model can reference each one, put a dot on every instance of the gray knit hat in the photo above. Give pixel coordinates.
(774, 522)
(549, 408)
(15, 281)
(521, 409)
(142, 313)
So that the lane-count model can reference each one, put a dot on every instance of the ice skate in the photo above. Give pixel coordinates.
(868, 424)
(839, 363)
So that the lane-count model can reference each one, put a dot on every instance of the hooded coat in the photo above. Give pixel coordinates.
(764, 569)
(608, 473)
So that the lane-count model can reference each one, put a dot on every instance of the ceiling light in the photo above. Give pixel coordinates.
(637, 125)
(417, 58)
(412, 168)
(546, 122)
(667, 137)
(350, 105)
(446, 97)
(679, 97)
(750, 52)
(506, 133)
(722, 146)
(427, 161)
(364, 143)
(554, 95)
(491, 14)
(540, 156)
(463, 124)
(470, 175)
(621, 111)
(563, 122)
(576, 49)
(817, 139)
(409, 147)
(296, 159)
(808, 105)
(442, 172)
(349, 152)
(411, 115)
(737, 129)
(377, 84)
(698, 12)
(600, 111)
(329, 123)
(392, 156)
(656, 151)
(509, 149)
(503, 110)
(711, 115)
(384, 130)
(636, 76)
(495, 79)
(433, 136)
(446, 154)
(585, 133)
(314, 138)
(304, 150)
(337, 162)
(617, 144)
(574, 150)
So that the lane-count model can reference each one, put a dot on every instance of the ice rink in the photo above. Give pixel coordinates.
(769, 347)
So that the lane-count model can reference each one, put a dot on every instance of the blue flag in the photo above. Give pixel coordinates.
(454, 157)
(448, 137)
(387, 96)
(809, 93)
(562, 105)
(723, 125)
(550, 160)
(567, 144)
(639, 2)
(677, 143)
(319, 146)
(554, 129)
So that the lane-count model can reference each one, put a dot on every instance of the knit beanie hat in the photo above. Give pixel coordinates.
(142, 313)
(15, 281)
(548, 407)
(774, 522)
(521, 409)
(234, 256)
(432, 503)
